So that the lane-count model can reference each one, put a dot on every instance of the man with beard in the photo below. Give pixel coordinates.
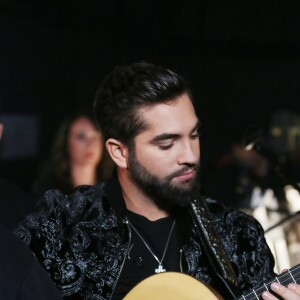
(99, 242)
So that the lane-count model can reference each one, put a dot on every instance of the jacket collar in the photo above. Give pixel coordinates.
(115, 196)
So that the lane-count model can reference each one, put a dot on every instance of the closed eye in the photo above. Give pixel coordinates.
(165, 146)
(165, 141)
(196, 134)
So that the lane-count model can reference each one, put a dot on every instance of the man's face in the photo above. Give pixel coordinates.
(164, 161)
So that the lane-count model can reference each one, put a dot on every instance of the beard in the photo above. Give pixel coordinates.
(166, 195)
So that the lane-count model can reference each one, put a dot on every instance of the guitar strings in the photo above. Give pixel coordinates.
(281, 276)
(259, 293)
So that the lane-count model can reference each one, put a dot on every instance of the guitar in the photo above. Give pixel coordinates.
(179, 286)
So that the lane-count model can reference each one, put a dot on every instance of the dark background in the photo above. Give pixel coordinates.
(241, 58)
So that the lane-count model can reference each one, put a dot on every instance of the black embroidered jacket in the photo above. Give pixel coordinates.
(82, 240)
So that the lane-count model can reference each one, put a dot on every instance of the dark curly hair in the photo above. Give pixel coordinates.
(127, 89)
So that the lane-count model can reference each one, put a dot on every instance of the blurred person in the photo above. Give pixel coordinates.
(21, 275)
(15, 203)
(149, 218)
(76, 157)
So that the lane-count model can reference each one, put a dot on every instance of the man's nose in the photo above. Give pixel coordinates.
(190, 153)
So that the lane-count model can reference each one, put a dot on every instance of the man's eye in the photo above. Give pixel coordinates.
(165, 147)
(195, 135)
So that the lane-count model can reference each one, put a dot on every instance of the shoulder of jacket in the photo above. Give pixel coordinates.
(221, 210)
(82, 200)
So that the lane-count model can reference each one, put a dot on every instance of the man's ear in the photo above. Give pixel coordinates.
(1, 129)
(118, 152)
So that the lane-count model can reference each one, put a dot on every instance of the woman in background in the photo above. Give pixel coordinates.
(77, 157)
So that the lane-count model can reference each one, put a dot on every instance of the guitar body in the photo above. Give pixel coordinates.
(179, 286)
(172, 286)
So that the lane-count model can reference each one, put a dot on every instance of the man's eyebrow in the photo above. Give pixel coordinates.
(166, 136)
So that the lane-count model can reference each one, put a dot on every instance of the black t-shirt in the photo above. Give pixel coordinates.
(140, 263)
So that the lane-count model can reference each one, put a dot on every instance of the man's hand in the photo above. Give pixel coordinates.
(291, 292)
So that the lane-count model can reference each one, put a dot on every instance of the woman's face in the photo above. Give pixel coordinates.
(85, 143)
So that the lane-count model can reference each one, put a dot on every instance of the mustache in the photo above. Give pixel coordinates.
(183, 170)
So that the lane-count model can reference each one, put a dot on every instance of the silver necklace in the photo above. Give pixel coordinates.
(160, 267)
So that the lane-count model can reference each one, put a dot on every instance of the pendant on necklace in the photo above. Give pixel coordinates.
(160, 269)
